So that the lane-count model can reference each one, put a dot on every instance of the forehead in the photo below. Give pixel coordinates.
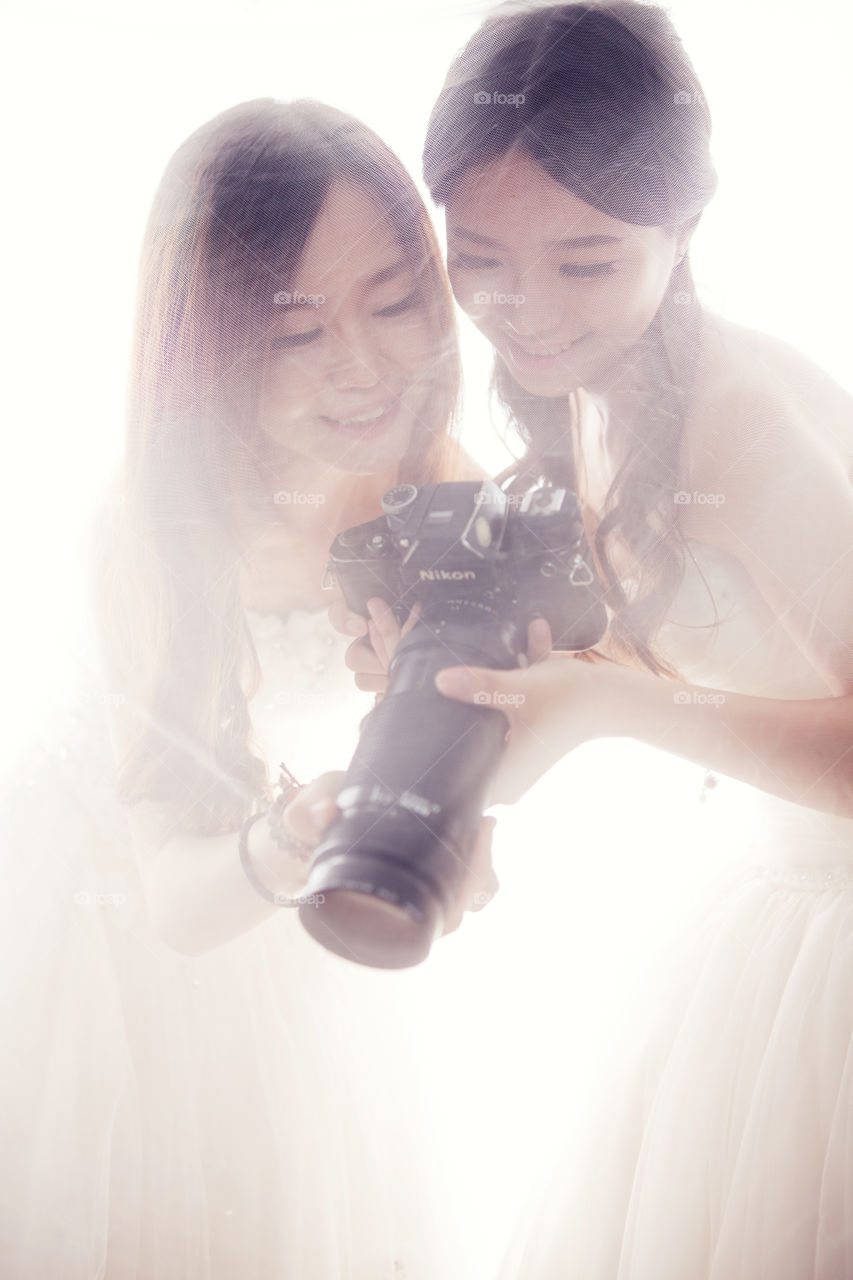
(513, 201)
(351, 239)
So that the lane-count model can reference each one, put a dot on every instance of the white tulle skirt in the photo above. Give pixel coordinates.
(718, 1144)
(253, 1112)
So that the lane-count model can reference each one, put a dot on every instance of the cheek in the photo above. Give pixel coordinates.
(655, 282)
(290, 388)
(410, 345)
(467, 293)
(629, 305)
(462, 286)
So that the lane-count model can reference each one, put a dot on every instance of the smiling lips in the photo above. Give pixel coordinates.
(539, 353)
(541, 361)
(365, 423)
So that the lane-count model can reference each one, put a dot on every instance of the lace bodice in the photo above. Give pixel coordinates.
(308, 709)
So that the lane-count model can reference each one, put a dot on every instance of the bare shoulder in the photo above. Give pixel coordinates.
(754, 395)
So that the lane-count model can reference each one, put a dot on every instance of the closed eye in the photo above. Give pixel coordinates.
(588, 269)
(472, 263)
(397, 308)
(288, 341)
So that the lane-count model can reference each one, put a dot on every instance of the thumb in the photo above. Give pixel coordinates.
(313, 808)
(468, 684)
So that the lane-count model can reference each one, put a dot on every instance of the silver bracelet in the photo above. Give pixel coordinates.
(277, 899)
(288, 788)
(245, 861)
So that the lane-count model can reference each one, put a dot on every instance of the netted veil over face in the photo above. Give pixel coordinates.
(602, 97)
(229, 226)
(598, 93)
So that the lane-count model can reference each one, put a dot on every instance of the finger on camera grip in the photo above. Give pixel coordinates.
(378, 644)
(482, 881)
(384, 618)
(313, 808)
(345, 621)
(413, 617)
(539, 640)
(384, 628)
(479, 884)
(369, 683)
(362, 657)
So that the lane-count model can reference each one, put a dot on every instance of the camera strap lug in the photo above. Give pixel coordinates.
(580, 574)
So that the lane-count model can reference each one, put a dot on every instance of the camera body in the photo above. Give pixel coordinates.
(481, 566)
(517, 559)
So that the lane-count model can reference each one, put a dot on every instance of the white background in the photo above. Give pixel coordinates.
(98, 96)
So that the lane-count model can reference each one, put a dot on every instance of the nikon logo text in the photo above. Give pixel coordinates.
(448, 575)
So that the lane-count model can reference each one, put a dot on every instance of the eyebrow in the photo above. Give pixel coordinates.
(387, 273)
(368, 282)
(571, 242)
(302, 305)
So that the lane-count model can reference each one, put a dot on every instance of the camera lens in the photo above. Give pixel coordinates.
(389, 869)
(371, 908)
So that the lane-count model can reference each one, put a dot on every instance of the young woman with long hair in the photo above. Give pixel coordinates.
(569, 148)
(199, 1089)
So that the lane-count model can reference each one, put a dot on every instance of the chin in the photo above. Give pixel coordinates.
(550, 385)
(367, 457)
(596, 370)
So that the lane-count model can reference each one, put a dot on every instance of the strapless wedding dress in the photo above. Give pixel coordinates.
(718, 1142)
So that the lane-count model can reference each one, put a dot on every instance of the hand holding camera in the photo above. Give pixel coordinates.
(481, 570)
(370, 655)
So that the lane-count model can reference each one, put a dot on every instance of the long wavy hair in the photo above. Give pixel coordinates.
(229, 224)
(610, 107)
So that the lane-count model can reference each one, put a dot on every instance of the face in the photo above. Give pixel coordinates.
(562, 290)
(345, 381)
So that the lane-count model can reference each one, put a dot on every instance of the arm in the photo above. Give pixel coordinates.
(788, 517)
(199, 897)
(799, 750)
(197, 893)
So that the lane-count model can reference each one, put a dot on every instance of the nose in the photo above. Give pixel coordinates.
(355, 362)
(542, 312)
(530, 319)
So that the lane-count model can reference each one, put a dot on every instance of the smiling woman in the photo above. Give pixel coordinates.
(614, 273)
(347, 382)
(193, 1087)
(590, 188)
(714, 466)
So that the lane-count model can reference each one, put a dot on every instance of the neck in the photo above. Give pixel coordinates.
(286, 547)
(325, 498)
(311, 499)
(618, 394)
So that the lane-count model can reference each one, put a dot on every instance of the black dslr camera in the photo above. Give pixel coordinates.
(482, 564)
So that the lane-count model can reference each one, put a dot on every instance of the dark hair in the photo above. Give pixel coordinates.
(228, 227)
(609, 106)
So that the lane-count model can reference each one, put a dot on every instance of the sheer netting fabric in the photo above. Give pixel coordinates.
(252, 1108)
(256, 1110)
